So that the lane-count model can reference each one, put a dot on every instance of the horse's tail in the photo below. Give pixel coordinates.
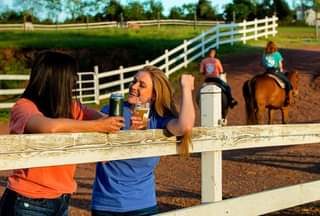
(248, 95)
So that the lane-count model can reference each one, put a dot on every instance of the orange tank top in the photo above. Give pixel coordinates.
(42, 182)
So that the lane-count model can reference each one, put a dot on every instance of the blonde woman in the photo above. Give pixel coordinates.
(127, 187)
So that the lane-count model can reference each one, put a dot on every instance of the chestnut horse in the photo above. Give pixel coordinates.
(263, 92)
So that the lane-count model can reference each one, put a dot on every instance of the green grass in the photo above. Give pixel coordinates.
(4, 115)
(291, 37)
(102, 38)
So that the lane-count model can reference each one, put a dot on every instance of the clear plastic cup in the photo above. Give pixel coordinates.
(142, 110)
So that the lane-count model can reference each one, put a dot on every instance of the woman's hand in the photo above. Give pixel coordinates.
(187, 82)
(111, 124)
(136, 123)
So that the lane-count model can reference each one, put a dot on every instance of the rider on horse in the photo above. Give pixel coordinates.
(273, 62)
(211, 67)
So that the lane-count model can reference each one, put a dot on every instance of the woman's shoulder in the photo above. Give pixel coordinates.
(24, 102)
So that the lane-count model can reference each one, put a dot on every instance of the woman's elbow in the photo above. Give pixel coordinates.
(187, 127)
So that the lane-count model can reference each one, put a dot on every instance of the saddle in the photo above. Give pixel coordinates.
(215, 81)
(277, 79)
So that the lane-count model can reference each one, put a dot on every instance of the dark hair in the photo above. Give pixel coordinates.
(53, 76)
(211, 50)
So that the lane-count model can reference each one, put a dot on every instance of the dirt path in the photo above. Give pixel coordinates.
(246, 171)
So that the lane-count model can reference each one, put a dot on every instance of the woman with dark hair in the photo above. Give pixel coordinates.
(127, 187)
(272, 60)
(47, 106)
(211, 68)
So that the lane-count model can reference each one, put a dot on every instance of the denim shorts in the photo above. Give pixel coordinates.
(13, 204)
(141, 212)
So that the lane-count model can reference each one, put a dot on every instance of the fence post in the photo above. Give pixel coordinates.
(255, 29)
(80, 87)
(158, 15)
(232, 35)
(166, 61)
(185, 49)
(244, 34)
(266, 27)
(96, 85)
(217, 36)
(274, 25)
(121, 80)
(202, 45)
(317, 28)
(211, 162)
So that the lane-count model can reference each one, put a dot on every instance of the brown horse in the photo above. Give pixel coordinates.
(263, 92)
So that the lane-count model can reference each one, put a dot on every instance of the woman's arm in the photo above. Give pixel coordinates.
(91, 114)
(42, 124)
(186, 118)
(281, 66)
(219, 65)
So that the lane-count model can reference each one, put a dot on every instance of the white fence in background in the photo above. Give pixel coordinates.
(28, 26)
(37, 150)
(171, 61)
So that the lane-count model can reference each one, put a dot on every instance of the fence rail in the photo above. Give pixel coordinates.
(28, 26)
(36, 150)
(175, 59)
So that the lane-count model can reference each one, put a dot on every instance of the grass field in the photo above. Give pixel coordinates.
(291, 37)
(147, 37)
(102, 38)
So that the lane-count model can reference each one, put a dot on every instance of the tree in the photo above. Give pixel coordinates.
(54, 8)
(154, 9)
(242, 9)
(11, 16)
(176, 13)
(205, 10)
(29, 8)
(114, 10)
(134, 11)
(282, 10)
(189, 10)
(264, 9)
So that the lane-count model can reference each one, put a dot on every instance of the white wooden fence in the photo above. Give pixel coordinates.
(28, 26)
(36, 150)
(171, 61)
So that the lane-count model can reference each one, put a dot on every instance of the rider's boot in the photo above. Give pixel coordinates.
(233, 103)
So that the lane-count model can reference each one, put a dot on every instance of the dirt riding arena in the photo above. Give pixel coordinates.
(244, 171)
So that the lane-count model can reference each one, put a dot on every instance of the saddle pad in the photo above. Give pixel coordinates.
(277, 79)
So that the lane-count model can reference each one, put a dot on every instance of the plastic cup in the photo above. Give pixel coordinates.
(142, 110)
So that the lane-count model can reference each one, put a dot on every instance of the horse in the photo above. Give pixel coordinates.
(263, 92)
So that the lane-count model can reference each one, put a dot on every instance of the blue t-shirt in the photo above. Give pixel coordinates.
(127, 185)
(272, 60)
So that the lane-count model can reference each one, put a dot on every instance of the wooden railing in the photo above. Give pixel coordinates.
(28, 26)
(22, 151)
(170, 62)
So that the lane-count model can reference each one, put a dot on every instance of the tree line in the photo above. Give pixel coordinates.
(75, 11)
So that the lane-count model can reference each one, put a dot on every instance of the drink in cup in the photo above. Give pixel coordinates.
(142, 110)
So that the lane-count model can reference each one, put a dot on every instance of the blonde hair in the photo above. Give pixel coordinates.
(164, 104)
(270, 48)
